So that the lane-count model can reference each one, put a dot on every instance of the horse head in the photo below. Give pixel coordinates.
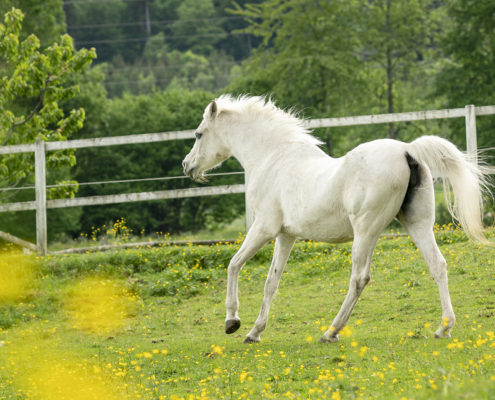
(209, 150)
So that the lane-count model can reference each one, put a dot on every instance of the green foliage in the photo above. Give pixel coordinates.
(33, 84)
(157, 112)
(199, 35)
(45, 19)
(467, 75)
(324, 58)
(162, 68)
(343, 58)
(398, 42)
(158, 44)
(290, 63)
(99, 21)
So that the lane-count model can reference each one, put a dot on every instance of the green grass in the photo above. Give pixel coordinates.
(119, 233)
(171, 344)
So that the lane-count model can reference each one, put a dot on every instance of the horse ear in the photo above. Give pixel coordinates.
(213, 108)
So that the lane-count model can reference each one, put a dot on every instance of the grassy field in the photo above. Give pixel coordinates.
(148, 324)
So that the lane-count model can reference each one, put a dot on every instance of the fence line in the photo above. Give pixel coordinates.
(41, 204)
(102, 141)
(400, 117)
(126, 197)
(313, 123)
(79, 184)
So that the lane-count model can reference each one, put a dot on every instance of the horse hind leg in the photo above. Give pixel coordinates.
(424, 239)
(362, 251)
(418, 219)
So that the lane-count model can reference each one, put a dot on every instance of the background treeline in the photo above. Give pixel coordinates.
(159, 62)
(160, 44)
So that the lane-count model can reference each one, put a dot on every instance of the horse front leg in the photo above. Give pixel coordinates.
(283, 247)
(362, 251)
(254, 240)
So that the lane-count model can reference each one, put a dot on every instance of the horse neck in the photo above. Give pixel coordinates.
(252, 146)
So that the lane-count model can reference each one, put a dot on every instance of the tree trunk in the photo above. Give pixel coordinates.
(390, 75)
(329, 143)
(147, 20)
(390, 94)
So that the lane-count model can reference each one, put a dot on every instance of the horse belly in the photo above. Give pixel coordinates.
(328, 227)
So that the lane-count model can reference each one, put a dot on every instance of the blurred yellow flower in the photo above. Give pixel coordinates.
(39, 367)
(99, 305)
(336, 396)
(346, 331)
(217, 349)
(17, 275)
(363, 350)
(243, 375)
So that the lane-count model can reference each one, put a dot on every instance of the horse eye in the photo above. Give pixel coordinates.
(198, 135)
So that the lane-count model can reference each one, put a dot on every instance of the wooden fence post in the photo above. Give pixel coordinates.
(471, 142)
(40, 188)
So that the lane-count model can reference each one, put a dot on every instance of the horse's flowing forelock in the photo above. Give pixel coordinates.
(262, 110)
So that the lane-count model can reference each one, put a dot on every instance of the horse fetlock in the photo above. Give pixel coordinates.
(443, 332)
(259, 326)
(252, 338)
(232, 325)
(329, 339)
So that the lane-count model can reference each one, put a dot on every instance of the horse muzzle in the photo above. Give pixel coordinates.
(187, 168)
(193, 172)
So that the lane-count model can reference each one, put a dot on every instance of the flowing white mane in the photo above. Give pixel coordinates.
(262, 110)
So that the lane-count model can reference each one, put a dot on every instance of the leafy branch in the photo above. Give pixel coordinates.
(46, 78)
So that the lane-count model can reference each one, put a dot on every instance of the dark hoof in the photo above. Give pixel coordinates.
(249, 340)
(231, 325)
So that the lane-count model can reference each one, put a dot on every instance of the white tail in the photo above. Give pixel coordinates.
(468, 180)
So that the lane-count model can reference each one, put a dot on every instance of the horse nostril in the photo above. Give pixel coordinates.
(187, 168)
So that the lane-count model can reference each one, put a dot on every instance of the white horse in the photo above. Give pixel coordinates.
(296, 190)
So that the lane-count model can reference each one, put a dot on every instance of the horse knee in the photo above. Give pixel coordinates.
(234, 266)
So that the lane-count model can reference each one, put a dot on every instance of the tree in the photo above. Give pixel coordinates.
(235, 44)
(468, 74)
(340, 57)
(305, 56)
(115, 28)
(45, 19)
(160, 68)
(197, 27)
(309, 57)
(395, 40)
(33, 83)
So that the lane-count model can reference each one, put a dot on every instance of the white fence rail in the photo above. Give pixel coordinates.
(41, 204)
